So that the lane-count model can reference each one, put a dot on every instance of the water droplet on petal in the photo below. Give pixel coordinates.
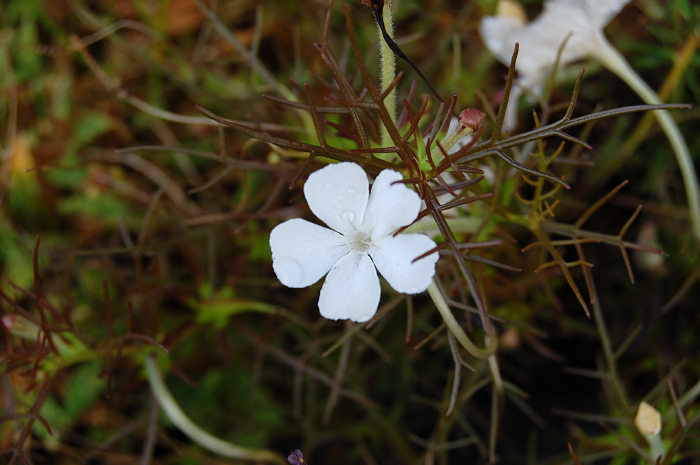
(351, 191)
(413, 290)
(348, 215)
(329, 185)
(288, 271)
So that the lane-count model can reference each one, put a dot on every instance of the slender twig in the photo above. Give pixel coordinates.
(614, 61)
(171, 408)
(248, 55)
(337, 380)
(456, 329)
(152, 432)
(611, 362)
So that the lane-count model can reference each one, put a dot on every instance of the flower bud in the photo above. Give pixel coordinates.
(648, 419)
(511, 9)
(471, 118)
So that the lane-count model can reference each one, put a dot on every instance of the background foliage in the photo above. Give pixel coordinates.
(109, 253)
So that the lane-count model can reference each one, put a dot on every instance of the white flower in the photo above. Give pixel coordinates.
(360, 239)
(540, 39)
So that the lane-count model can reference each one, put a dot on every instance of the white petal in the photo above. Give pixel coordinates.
(351, 290)
(302, 252)
(540, 39)
(390, 206)
(500, 33)
(511, 119)
(557, 21)
(598, 13)
(337, 195)
(393, 256)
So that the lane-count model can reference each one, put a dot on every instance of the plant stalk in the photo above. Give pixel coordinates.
(615, 62)
(456, 329)
(388, 64)
(656, 446)
(171, 408)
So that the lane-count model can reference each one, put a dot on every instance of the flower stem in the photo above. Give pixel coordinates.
(456, 329)
(656, 445)
(449, 142)
(611, 361)
(388, 63)
(615, 62)
(429, 226)
(190, 429)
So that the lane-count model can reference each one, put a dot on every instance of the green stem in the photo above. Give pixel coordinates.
(608, 352)
(171, 408)
(388, 62)
(615, 62)
(463, 224)
(456, 329)
(656, 445)
(449, 142)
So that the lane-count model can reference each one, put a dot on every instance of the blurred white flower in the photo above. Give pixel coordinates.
(580, 20)
(360, 238)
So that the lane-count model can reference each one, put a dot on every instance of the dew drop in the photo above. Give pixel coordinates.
(329, 185)
(288, 271)
(413, 290)
(341, 198)
(348, 215)
(351, 191)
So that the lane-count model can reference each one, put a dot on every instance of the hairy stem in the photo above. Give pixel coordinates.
(388, 62)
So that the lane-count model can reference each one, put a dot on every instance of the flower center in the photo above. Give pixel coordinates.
(361, 243)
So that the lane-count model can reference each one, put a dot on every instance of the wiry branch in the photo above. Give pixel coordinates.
(315, 150)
